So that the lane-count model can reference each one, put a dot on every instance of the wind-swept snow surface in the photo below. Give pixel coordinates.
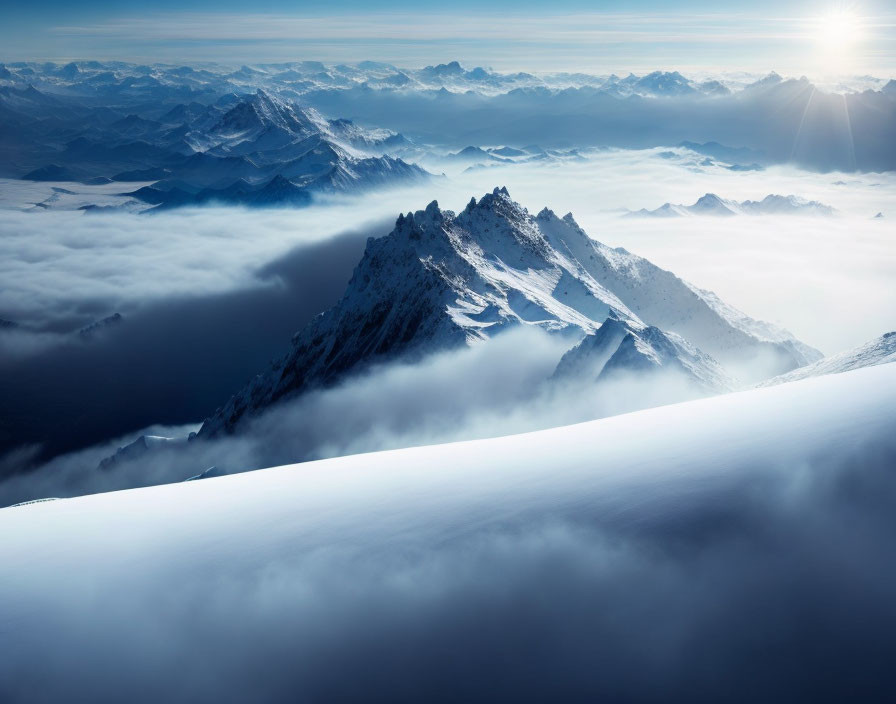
(736, 548)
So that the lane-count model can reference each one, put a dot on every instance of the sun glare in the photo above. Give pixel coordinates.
(838, 31)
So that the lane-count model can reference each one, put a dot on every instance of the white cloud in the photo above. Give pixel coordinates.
(824, 278)
(828, 280)
(499, 387)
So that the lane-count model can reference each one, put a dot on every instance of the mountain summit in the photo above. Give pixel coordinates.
(267, 151)
(440, 280)
(263, 111)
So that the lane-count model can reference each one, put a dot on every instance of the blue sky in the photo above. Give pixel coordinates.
(696, 36)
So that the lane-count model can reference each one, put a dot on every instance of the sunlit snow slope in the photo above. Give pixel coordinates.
(881, 350)
(600, 558)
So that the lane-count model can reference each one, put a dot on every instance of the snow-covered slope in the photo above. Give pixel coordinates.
(440, 280)
(628, 347)
(711, 204)
(759, 522)
(879, 351)
(758, 328)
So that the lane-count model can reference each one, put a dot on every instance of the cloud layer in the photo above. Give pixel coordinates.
(495, 388)
(210, 296)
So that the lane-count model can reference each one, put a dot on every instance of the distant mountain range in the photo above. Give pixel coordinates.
(442, 280)
(93, 78)
(92, 119)
(130, 81)
(711, 204)
(254, 150)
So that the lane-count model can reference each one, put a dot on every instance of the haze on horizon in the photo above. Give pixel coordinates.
(817, 39)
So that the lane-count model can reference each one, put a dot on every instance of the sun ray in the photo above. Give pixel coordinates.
(849, 134)
(799, 130)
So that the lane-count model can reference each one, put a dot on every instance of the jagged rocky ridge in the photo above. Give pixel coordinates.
(440, 280)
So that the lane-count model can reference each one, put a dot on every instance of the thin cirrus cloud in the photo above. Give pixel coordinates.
(620, 28)
(565, 40)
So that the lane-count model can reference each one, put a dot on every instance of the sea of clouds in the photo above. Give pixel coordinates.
(210, 296)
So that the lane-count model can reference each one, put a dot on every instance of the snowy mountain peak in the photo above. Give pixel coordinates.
(711, 204)
(628, 347)
(441, 280)
(264, 111)
(664, 83)
(450, 69)
(262, 150)
(774, 204)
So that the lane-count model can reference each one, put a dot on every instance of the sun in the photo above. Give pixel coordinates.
(838, 31)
